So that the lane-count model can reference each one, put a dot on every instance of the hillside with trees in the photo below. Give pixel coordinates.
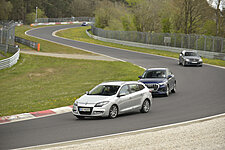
(168, 16)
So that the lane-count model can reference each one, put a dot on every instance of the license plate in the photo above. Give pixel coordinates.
(194, 62)
(85, 109)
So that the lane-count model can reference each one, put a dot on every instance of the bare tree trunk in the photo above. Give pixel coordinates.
(218, 18)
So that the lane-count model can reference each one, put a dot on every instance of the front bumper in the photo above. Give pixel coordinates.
(192, 63)
(94, 111)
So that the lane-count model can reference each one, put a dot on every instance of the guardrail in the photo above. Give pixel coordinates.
(176, 40)
(71, 19)
(29, 43)
(206, 54)
(8, 62)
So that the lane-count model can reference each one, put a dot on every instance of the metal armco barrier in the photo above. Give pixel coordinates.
(8, 62)
(29, 43)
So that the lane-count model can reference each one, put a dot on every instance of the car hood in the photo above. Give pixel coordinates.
(93, 99)
(153, 80)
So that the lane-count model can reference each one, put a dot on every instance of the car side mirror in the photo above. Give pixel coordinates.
(169, 76)
(121, 94)
(180, 54)
(87, 92)
(140, 77)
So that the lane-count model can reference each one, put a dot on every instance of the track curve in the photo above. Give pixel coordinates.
(200, 93)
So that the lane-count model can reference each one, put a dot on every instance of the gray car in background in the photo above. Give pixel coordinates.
(188, 58)
(112, 98)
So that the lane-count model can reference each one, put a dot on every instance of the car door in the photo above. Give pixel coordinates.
(136, 95)
(124, 99)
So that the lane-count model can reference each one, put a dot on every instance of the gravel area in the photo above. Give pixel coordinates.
(203, 135)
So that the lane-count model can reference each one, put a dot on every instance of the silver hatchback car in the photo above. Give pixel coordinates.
(112, 98)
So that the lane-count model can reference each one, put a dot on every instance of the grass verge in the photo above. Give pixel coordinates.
(79, 34)
(39, 83)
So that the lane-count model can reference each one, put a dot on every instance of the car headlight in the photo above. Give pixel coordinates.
(162, 84)
(75, 103)
(200, 60)
(100, 104)
(187, 59)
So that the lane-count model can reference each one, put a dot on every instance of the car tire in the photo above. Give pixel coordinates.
(179, 63)
(113, 112)
(146, 106)
(80, 117)
(174, 88)
(167, 91)
(184, 63)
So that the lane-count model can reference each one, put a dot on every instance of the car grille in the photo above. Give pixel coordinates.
(85, 112)
(152, 86)
(192, 59)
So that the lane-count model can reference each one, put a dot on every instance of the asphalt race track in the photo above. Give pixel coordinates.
(200, 93)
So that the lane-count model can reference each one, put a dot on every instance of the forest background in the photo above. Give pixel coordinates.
(156, 16)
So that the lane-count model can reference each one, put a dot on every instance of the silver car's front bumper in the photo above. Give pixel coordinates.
(90, 111)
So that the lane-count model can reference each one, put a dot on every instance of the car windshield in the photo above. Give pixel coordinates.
(155, 74)
(106, 90)
(191, 54)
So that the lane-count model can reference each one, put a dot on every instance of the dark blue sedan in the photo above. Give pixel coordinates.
(161, 81)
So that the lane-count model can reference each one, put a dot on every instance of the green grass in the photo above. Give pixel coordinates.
(45, 45)
(39, 83)
(80, 35)
(4, 56)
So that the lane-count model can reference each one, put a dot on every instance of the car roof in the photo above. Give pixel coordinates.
(119, 83)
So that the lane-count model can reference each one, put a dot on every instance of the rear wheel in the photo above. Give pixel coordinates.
(145, 106)
(113, 112)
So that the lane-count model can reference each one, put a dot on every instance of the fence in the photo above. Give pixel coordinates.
(8, 62)
(29, 43)
(7, 34)
(189, 41)
(71, 19)
(7, 41)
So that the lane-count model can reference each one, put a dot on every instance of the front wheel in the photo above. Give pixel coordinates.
(174, 88)
(145, 106)
(113, 112)
(167, 91)
(184, 63)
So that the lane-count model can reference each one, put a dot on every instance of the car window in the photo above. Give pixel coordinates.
(190, 54)
(141, 87)
(134, 88)
(124, 90)
(106, 90)
(155, 74)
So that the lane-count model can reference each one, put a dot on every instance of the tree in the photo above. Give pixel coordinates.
(5, 9)
(219, 6)
(189, 15)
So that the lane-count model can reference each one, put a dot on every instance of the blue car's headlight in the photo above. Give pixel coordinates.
(100, 104)
(162, 84)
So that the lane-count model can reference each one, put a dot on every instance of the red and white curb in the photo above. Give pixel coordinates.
(32, 115)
